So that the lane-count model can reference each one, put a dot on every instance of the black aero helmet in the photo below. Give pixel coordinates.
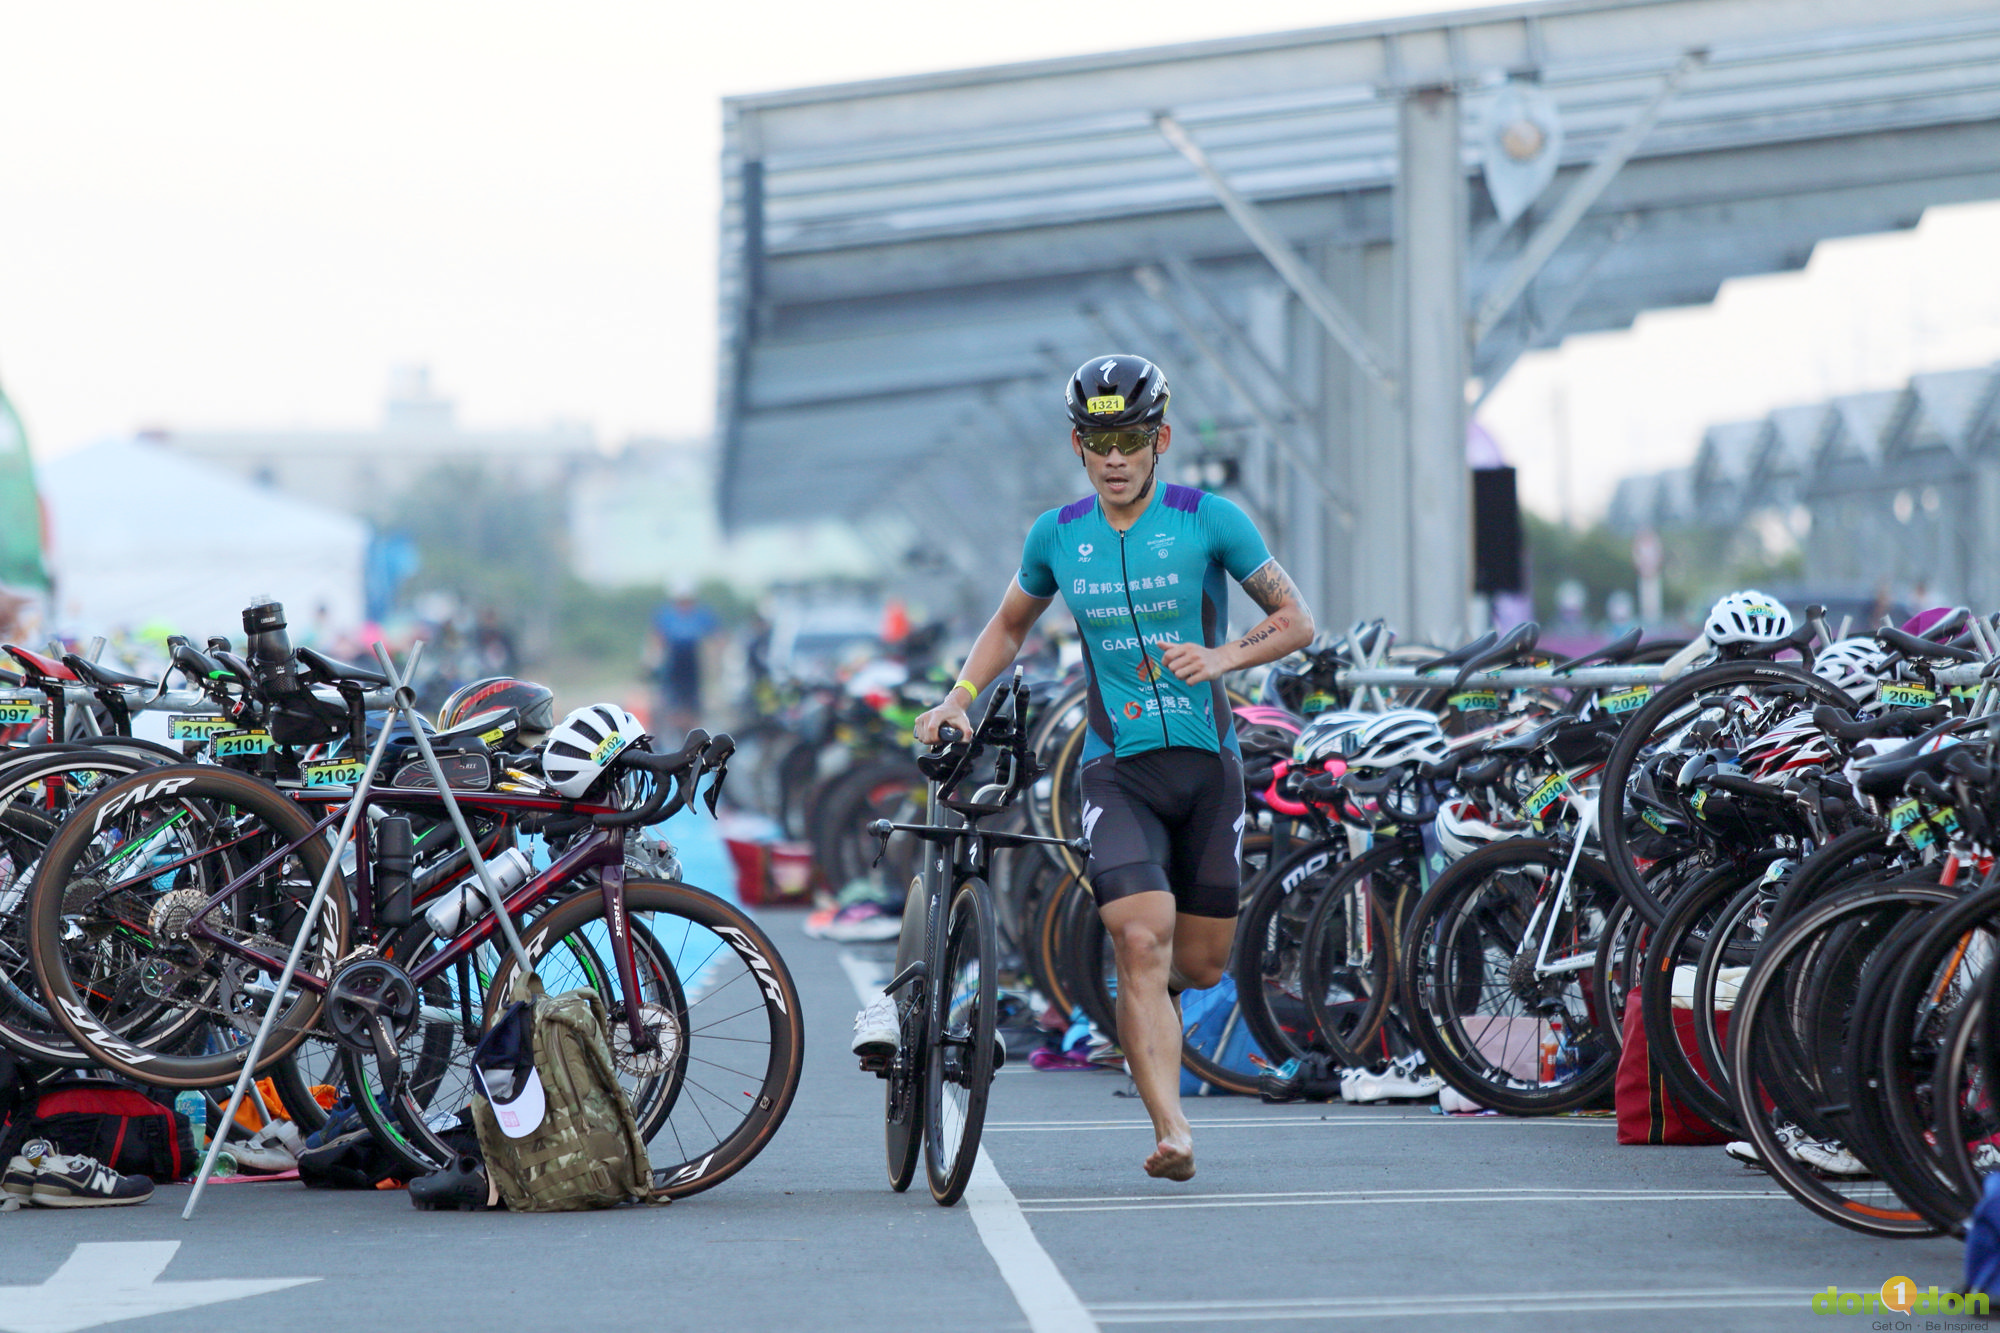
(533, 704)
(1117, 393)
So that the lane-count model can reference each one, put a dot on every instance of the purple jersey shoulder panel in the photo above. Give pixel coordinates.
(1184, 498)
(1076, 509)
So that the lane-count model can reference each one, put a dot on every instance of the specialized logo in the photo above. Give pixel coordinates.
(138, 795)
(1105, 371)
(758, 964)
(1091, 814)
(1132, 708)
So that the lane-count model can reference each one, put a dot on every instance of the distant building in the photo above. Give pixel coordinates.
(356, 470)
(1896, 489)
(647, 516)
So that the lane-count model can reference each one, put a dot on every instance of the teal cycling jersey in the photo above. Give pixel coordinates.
(1163, 581)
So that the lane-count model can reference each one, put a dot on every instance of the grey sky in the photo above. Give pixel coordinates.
(221, 213)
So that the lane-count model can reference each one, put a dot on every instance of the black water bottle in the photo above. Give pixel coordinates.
(270, 647)
(394, 869)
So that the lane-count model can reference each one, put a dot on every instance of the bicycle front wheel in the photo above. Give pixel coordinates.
(965, 1004)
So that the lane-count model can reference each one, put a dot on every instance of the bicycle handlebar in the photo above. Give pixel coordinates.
(685, 767)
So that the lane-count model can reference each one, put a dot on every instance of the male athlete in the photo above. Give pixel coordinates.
(1140, 564)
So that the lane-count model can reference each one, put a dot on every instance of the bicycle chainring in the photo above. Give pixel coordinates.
(362, 992)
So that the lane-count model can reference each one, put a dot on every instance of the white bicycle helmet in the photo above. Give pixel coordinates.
(583, 745)
(1399, 736)
(1853, 665)
(1328, 735)
(1462, 828)
(1747, 617)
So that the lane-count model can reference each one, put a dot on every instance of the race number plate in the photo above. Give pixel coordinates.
(331, 772)
(18, 709)
(1625, 701)
(196, 726)
(239, 744)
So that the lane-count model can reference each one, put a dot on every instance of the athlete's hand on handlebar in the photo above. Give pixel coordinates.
(950, 713)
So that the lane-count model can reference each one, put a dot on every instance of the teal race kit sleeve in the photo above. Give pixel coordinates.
(1233, 537)
(1037, 577)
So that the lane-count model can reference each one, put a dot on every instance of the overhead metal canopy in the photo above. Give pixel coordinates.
(910, 266)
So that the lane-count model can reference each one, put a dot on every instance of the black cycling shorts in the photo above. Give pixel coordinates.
(1177, 809)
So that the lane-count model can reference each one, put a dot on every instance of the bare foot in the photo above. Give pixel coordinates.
(1172, 1161)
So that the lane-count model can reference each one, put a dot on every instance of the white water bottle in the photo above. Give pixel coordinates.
(460, 907)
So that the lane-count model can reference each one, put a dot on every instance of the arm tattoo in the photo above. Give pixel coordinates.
(1271, 587)
(1278, 624)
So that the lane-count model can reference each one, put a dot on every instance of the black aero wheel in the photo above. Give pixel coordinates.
(903, 1097)
(113, 922)
(965, 1003)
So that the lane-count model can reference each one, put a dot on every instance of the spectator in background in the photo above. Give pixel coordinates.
(494, 645)
(680, 628)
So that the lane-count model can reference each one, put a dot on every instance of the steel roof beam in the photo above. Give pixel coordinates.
(1305, 284)
(1281, 434)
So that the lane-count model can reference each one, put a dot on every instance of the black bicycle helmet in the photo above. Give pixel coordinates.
(1118, 392)
(533, 704)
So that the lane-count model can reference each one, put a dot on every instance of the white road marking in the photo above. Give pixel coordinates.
(1275, 1122)
(1345, 1198)
(1039, 1288)
(105, 1281)
(1386, 1307)
(1043, 1293)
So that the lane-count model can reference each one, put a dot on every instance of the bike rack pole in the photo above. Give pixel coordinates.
(356, 804)
(406, 702)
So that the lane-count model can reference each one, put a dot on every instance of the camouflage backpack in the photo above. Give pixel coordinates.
(554, 1125)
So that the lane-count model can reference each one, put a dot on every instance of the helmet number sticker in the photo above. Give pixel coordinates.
(1907, 696)
(1105, 404)
(1475, 701)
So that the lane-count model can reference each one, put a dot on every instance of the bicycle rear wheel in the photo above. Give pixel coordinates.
(965, 1010)
(111, 924)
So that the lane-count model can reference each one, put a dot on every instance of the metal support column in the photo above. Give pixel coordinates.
(1430, 257)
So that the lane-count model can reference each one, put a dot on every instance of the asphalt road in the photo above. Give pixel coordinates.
(1348, 1217)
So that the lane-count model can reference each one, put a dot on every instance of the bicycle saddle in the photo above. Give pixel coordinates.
(1463, 654)
(1519, 641)
(1896, 721)
(1618, 650)
(334, 672)
(96, 673)
(1885, 775)
(35, 665)
(1909, 645)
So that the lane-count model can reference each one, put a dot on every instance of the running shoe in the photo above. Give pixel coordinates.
(878, 1029)
(1405, 1078)
(862, 923)
(1312, 1078)
(1453, 1102)
(56, 1181)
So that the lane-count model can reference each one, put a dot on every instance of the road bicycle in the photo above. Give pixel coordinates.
(946, 981)
(167, 903)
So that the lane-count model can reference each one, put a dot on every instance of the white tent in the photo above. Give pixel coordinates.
(141, 536)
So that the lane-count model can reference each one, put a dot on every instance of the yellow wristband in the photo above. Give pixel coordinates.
(971, 690)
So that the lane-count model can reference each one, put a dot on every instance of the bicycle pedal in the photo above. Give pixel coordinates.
(878, 1065)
